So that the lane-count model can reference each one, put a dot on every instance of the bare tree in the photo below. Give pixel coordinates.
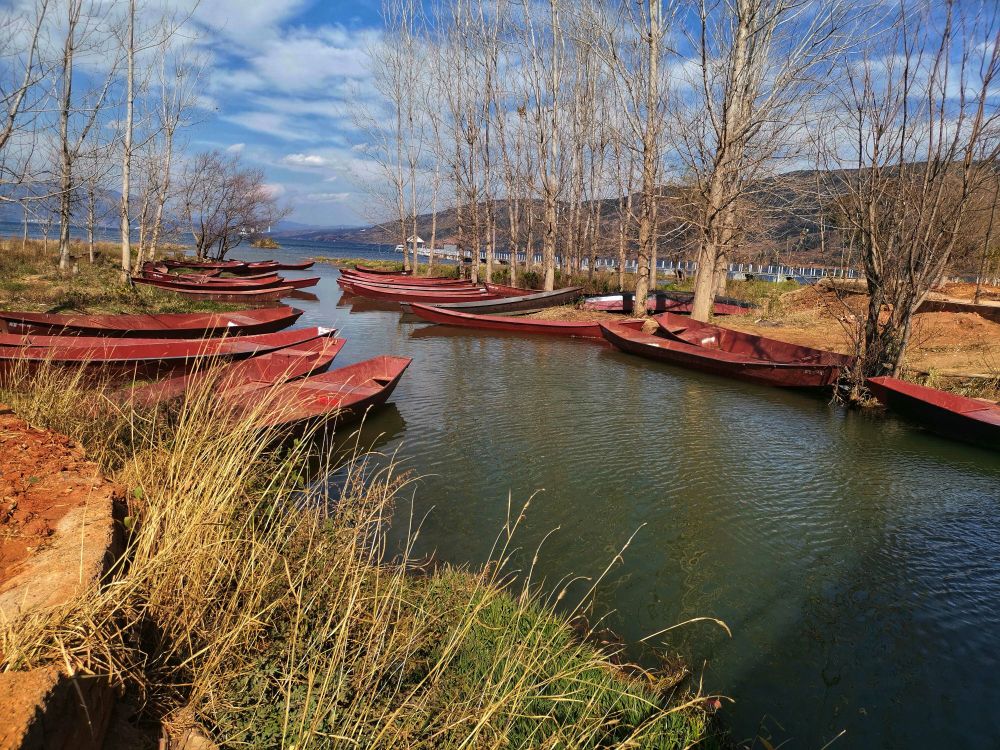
(921, 131)
(82, 32)
(757, 65)
(225, 203)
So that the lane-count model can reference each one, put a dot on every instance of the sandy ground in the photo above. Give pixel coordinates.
(43, 476)
(947, 344)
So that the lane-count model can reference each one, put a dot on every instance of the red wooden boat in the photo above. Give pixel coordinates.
(515, 300)
(222, 265)
(340, 395)
(296, 266)
(190, 281)
(149, 267)
(661, 302)
(405, 295)
(403, 280)
(742, 356)
(255, 267)
(145, 357)
(216, 294)
(342, 281)
(967, 419)
(379, 271)
(591, 330)
(245, 378)
(169, 325)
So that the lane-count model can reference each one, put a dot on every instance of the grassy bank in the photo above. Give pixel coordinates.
(30, 279)
(272, 613)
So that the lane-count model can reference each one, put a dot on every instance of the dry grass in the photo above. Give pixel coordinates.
(263, 604)
(30, 279)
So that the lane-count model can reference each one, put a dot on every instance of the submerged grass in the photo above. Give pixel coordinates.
(266, 607)
(30, 279)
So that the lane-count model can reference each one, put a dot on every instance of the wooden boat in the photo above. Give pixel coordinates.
(379, 271)
(340, 395)
(254, 267)
(675, 302)
(516, 324)
(405, 280)
(342, 281)
(140, 357)
(245, 378)
(742, 356)
(191, 281)
(217, 294)
(521, 303)
(151, 267)
(409, 295)
(968, 419)
(165, 326)
(296, 265)
(221, 265)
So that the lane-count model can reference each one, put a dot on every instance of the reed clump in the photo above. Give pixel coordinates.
(265, 603)
(30, 279)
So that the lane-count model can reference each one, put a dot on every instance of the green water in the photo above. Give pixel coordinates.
(855, 559)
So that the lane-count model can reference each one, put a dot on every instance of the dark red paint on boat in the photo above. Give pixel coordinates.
(245, 378)
(218, 294)
(344, 394)
(167, 325)
(140, 356)
(958, 417)
(772, 363)
(378, 271)
(404, 295)
(515, 324)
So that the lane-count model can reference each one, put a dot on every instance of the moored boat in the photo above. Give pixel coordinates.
(192, 281)
(527, 301)
(581, 329)
(143, 357)
(404, 280)
(162, 326)
(218, 294)
(675, 302)
(378, 271)
(340, 395)
(409, 295)
(742, 356)
(296, 265)
(958, 417)
(245, 378)
(222, 265)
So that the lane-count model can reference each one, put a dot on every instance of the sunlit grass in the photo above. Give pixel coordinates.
(270, 609)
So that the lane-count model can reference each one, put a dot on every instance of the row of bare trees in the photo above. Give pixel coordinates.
(634, 129)
(96, 96)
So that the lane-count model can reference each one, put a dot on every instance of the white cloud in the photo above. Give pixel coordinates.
(328, 197)
(274, 189)
(236, 148)
(305, 160)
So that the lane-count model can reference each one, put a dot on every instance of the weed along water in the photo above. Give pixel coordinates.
(855, 558)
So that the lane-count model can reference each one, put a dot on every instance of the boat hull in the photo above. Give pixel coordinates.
(165, 326)
(248, 296)
(516, 301)
(627, 336)
(675, 302)
(591, 330)
(431, 296)
(246, 378)
(947, 414)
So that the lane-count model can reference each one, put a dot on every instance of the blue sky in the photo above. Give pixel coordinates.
(282, 75)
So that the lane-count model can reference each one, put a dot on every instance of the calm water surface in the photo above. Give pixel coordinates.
(855, 558)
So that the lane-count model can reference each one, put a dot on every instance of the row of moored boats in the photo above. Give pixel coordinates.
(251, 362)
(226, 281)
(669, 336)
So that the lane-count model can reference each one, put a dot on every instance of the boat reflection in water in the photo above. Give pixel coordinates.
(331, 450)
(300, 295)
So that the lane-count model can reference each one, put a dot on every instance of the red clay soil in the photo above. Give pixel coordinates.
(43, 476)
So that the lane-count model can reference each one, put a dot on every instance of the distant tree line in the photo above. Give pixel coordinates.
(678, 116)
(95, 96)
